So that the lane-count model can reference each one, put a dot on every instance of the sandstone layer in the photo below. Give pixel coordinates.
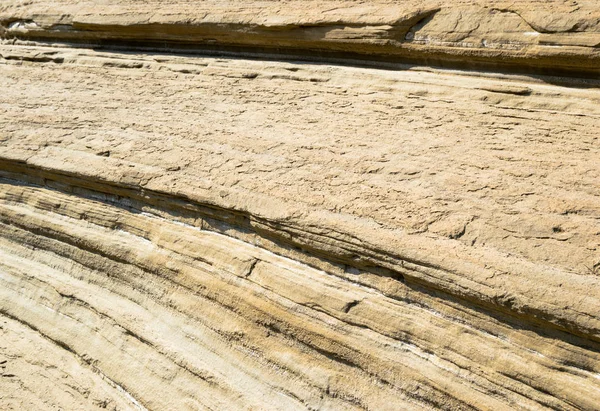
(332, 213)
(526, 35)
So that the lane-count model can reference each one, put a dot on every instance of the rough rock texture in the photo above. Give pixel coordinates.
(181, 231)
(527, 35)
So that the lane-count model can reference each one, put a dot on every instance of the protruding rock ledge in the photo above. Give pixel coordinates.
(516, 36)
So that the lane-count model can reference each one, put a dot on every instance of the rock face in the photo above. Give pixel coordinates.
(300, 205)
(526, 35)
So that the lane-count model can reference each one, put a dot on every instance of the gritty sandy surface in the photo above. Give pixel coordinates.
(438, 154)
(180, 231)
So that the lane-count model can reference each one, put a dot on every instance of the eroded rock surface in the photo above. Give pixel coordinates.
(187, 231)
(525, 35)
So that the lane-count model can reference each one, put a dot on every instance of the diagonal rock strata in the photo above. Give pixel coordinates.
(178, 254)
(353, 251)
(184, 231)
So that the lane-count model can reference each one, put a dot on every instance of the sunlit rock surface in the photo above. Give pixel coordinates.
(300, 205)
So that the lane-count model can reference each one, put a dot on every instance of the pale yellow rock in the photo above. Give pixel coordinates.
(181, 231)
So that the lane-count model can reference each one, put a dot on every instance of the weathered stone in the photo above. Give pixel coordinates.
(185, 231)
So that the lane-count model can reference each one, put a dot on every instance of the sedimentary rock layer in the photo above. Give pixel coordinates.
(192, 232)
(527, 35)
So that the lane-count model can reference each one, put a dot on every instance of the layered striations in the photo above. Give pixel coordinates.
(525, 35)
(186, 231)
